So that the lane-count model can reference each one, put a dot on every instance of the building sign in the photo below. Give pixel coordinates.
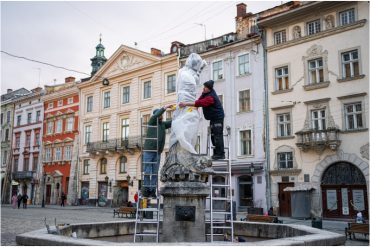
(358, 200)
(345, 206)
(331, 200)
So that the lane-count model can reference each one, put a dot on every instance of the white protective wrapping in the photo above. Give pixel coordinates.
(185, 121)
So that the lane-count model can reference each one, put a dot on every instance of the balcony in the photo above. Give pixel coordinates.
(318, 140)
(114, 145)
(23, 175)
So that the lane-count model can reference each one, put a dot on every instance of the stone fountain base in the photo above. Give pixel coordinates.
(183, 211)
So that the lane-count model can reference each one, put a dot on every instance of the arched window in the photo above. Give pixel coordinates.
(103, 166)
(122, 164)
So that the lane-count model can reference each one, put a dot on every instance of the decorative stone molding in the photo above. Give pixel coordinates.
(364, 150)
(310, 87)
(351, 78)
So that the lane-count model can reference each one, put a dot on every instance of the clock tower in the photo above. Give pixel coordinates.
(99, 59)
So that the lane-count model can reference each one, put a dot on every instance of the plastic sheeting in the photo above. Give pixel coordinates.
(185, 122)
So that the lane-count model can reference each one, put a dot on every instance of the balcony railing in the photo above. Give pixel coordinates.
(318, 139)
(114, 145)
(23, 175)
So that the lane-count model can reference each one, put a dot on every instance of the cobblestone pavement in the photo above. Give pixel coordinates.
(18, 221)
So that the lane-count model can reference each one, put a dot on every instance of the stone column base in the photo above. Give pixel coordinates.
(183, 211)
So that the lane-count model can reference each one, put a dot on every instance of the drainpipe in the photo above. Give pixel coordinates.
(267, 123)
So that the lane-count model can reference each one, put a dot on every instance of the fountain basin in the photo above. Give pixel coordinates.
(276, 234)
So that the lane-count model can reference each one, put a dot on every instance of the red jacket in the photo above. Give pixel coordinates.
(206, 101)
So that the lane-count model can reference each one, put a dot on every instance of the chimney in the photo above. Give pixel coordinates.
(156, 52)
(9, 90)
(70, 79)
(36, 90)
(241, 10)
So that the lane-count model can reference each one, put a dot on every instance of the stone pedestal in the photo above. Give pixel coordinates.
(183, 211)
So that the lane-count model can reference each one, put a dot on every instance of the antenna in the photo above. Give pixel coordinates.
(205, 30)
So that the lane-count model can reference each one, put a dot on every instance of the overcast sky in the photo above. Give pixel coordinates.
(66, 33)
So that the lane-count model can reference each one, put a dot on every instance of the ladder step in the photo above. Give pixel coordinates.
(219, 212)
(150, 151)
(148, 209)
(149, 162)
(221, 227)
(146, 234)
(220, 185)
(221, 198)
(148, 222)
(215, 234)
(149, 138)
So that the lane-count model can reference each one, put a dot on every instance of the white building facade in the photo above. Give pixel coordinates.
(318, 86)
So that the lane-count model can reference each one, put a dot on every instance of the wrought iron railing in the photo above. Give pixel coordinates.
(23, 175)
(318, 139)
(114, 145)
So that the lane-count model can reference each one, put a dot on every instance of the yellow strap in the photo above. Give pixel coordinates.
(190, 109)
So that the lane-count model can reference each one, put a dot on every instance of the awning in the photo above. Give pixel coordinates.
(301, 187)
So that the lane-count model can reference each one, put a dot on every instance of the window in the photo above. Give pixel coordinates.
(169, 116)
(19, 119)
(89, 104)
(86, 167)
(147, 90)
(70, 100)
(60, 102)
(350, 64)
(59, 126)
(347, 17)
(280, 37)
(70, 123)
(15, 167)
(67, 152)
(221, 97)
(353, 116)
(107, 99)
(50, 127)
(105, 132)
(243, 64)
(58, 153)
(125, 128)
(282, 78)
(285, 160)
(244, 101)
(315, 71)
(318, 119)
(8, 117)
(217, 70)
(35, 163)
(122, 164)
(37, 139)
(7, 135)
(126, 95)
(48, 154)
(103, 166)
(5, 156)
(26, 164)
(28, 139)
(87, 134)
(2, 116)
(50, 105)
(313, 27)
(38, 115)
(29, 117)
(171, 84)
(245, 142)
(145, 120)
(283, 121)
(17, 141)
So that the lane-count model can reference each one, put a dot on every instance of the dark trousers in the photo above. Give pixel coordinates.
(62, 204)
(217, 136)
(19, 203)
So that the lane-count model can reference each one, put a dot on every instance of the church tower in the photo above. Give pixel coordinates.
(99, 59)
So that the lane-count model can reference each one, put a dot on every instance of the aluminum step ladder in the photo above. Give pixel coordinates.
(220, 210)
(147, 216)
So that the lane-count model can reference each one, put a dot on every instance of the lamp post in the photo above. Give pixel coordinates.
(252, 169)
(43, 191)
(205, 30)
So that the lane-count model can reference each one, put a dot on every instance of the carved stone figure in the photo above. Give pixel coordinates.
(183, 163)
(329, 22)
(297, 32)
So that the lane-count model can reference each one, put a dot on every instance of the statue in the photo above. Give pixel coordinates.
(297, 32)
(329, 21)
(183, 163)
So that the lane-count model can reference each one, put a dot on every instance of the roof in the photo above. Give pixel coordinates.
(13, 94)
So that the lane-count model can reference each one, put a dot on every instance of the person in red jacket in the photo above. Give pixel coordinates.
(213, 111)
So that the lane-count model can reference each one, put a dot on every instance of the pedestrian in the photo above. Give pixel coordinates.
(152, 152)
(136, 197)
(129, 204)
(213, 111)
(24, 199)
(63, 198)
(14, 201)
(19, 200)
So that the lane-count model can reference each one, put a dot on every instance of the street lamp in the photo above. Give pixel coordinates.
(252, 169)
(130, 183)
(43, 191)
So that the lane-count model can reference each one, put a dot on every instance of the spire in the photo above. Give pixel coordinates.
(99, 59)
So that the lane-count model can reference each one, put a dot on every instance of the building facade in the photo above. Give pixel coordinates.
(7, 117)
(26, 143)
(60, 141)
(318, 86)
(125, 90)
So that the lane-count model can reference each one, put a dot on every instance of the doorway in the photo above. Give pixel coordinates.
(48, 194)
(284, 200)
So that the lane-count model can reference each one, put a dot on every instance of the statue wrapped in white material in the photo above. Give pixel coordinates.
(183, 163)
